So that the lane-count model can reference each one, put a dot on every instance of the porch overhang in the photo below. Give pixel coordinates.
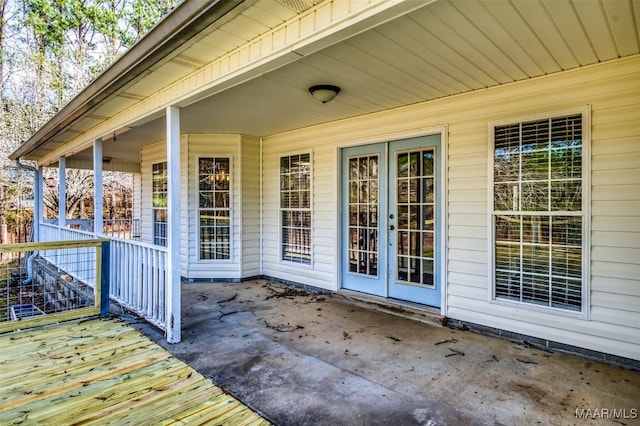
(232, 73)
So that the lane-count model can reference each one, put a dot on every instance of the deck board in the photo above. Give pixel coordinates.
(105, 372)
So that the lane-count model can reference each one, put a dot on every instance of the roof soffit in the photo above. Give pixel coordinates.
(446, 48)
(326, 24)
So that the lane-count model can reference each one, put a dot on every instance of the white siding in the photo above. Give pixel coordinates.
(137, 196)
(613, 92)
(149, 155)
(245, 221)
(321, 272)
(204, 145)
(250, 187)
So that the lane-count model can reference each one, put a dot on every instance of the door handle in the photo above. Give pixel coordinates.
(391, 227)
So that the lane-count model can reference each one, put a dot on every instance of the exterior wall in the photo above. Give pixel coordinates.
(245, 199)
(149, 155)
(321, 272)
(250, 195)
(136, 212)
(613, 93)
(212, 146)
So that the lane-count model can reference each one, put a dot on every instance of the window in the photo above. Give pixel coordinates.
(295, 208)
(214, 208)
(159, 203)
(538, 218)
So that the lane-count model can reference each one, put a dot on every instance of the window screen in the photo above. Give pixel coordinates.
(295, 208)
(537, 212)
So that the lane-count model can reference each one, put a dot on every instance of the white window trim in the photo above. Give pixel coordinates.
(231, 209)
(281, 258)
(585, 312)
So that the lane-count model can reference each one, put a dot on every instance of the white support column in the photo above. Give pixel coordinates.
(97, 186)
(173, 225)
(62, 192)
(37, 202)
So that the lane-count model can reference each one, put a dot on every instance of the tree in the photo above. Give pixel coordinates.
(49, 51)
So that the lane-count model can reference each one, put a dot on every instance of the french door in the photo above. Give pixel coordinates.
(390, 222)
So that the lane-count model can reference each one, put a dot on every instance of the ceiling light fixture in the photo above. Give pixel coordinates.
(324, 92)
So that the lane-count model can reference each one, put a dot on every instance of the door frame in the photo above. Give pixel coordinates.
(442, 157)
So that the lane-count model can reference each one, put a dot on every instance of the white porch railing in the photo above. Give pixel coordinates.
(138, 276)
(139, 279)
(122, 228)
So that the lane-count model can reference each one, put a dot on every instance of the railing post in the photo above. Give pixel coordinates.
(97, 187)
(172, 294)
(62, 192)
(38, 204)
(105, 279)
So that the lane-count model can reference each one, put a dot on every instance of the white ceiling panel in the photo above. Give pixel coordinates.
(565, 18)
(245, 28)
(115, 106)
(469, 35)
(499, 35)
(423, 44)
(270, 12)
(523, 38)
(591, 14)
(447, 42)
(537, 18)
(434, 81)
(621, 22)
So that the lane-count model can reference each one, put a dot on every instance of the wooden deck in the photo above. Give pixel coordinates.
(105, 372)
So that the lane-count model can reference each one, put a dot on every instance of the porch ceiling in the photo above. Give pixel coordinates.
(442, 49)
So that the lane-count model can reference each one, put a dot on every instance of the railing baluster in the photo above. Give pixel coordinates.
(144, 273)
(152, 282)
(132, 291)
(140, 269)
(135, 257)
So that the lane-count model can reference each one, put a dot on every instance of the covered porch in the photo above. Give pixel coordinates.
(213, 113)
(301, 357)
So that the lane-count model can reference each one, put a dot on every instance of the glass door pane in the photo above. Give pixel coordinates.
(364, 201)
(363, 206)
(413, 233)
(415, 197)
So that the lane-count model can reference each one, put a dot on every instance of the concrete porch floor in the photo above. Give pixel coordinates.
(300, 358)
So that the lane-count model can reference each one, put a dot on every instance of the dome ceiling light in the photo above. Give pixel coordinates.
(324, 92)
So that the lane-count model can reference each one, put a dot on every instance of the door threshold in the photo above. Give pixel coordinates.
(410, 310)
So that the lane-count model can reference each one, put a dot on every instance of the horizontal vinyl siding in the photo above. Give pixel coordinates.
(150, 155)
(613, 93)
(322, 269)
(250, 163)
(137, 197)
(616, 203)
(203, 145)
